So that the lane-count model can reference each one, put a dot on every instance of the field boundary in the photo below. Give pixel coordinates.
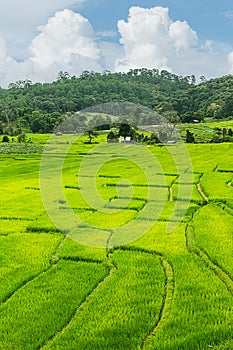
(169, 288)
(111, 270)
(200, 190)
(53, 260)
(206, 259)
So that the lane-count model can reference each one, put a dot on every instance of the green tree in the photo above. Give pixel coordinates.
(124, 129)
(111, 137)
(189, 137)
(91, 135)
(22, 138)
(5, 139)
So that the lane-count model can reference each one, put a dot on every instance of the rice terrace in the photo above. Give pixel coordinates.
(116, 219)
(166, 287)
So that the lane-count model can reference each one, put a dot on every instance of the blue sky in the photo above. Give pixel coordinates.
(38, 39)
(211, 19)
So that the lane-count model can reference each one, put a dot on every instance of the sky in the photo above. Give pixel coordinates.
(39, 39)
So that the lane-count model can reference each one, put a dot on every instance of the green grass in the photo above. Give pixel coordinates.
(71, 250)
(45, 305)
(165, 290)
(195, 320)
(184, 194)
(22, 257)
(204, 132)
(211, 225)
(125, 311)
(20, 148)
(215, 185)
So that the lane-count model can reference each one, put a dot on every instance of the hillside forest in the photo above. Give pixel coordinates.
(41, 107)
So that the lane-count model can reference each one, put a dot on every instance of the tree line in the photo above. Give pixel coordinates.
(41, 107)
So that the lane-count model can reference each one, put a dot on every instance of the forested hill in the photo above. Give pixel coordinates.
(41, 106)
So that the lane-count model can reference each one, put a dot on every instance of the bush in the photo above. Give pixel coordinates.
(22, 138)
(5, 139)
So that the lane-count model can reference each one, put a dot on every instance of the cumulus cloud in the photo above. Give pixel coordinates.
(106, 34)
(65, 36)
(3, 52)
(151, 39)
(209, 45)
(66, 42)
(19, 21)
(183, 37)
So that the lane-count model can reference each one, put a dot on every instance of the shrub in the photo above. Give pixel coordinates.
(22, 138)
(5, 139)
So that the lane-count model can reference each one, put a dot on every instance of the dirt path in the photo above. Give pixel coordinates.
(202, 193)
(171, 194)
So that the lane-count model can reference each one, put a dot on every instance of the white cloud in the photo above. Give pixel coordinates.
(230, 62)
(106, 34)
(211, 64)
(182, 35)
(66, 35)
(209, 45)
(109, 53)
(228, 14)
(66, 42)
(3, 52)
(151, 38)
(19, 20)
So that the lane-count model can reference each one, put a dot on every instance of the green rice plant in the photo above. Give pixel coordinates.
(203, 163)
(167, 210)
(22, 257)
(18, 181)
(126, 307)
(9, 225)
(163, 155)
(20, 148)
(38, 138)
(111, 220)
(75, 199)
(120, 169)
(224, 346)
(177, 211)
(170, 179)
(72, 250)
(192, 179)
(213, 229)
(159, 240)
(109, 179)
(45, 305)
(185, 191)
(134, 203)
(215, 185)
(226, 165)
(20, 203)
(27, 170)
(195, 321)
(42, 224)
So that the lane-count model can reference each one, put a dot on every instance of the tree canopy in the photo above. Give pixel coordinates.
(40, 107)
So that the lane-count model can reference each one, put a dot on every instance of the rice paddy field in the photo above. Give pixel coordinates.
(149, 265)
